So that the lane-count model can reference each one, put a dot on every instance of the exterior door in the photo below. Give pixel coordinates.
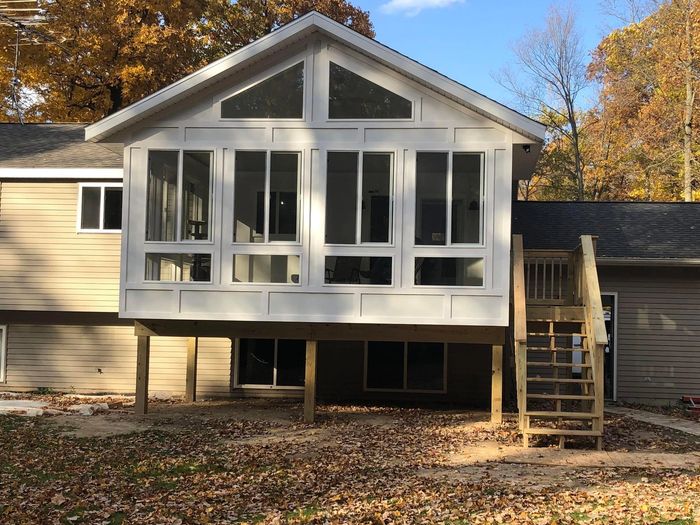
(610, 360)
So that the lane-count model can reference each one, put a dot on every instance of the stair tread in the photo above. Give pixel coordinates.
(548, 320)
(561, 396)
(563, 432)
(571, 380)
(557, 334)
(557, 349)
(559, 414)
(562, 365)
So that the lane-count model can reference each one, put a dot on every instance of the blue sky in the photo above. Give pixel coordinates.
(468, 40)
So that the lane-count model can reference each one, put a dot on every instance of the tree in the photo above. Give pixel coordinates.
(550, 76)
(105, 54)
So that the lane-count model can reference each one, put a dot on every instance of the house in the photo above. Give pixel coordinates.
(648, 259)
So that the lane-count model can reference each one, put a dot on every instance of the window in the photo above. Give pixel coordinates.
(194, 185)
(354, 97)
(266, 269)
(3, 353)
(449, 271)
(358, 270)
(279, 96)
(358, 198)
(271, 363)
(266, 197)
(396, 366)
(449, 194)
(178, 267)
(100, 207)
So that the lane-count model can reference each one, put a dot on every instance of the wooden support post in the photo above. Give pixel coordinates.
(497, 384)
(191, 377)
(143, 351)
(310, 382)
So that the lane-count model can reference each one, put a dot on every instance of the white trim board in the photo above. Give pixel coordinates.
(3, 353)
(305, 25)
(62, 173)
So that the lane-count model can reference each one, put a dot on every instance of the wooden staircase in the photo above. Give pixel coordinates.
(559, 340)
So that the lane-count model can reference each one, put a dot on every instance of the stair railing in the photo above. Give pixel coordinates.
(520, 325)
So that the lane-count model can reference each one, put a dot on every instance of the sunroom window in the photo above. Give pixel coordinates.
(358, 198)
(400, 366)
(194, 183)
(280, 96)
(280, 269)
(352, 96)
(449, 271)
(271, 362)
(100, 207)
(266, 203)
(358, 270)
(178, 267)
(449, 192)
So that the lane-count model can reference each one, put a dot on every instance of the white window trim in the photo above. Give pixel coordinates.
(273, 386)
(405, 388)
(3, 353)
(102, 186)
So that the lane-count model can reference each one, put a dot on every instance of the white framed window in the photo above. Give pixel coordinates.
(99, 207)
(270, 363)
(449, 198)
(417, 367)
(3, 353)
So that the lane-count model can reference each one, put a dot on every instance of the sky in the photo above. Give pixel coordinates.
(470, 40)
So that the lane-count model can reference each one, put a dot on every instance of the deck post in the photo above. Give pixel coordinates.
(143, 351)
(191, 377)
(497, 384)
(310, 382)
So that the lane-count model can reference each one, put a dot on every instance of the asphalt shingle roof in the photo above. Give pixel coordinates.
(52, 146)
(641, 230)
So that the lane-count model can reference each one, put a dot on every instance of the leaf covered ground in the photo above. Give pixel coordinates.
(256, 462)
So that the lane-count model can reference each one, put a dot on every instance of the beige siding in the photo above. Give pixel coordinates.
(44, 263)
(103, 359)
(658, 331)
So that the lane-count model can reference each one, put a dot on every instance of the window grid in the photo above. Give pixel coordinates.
(103, 187)
(274, 385)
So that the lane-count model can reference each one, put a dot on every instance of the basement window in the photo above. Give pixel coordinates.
(354, 97)
(280, 96)
(270, 363)
(100, 207)
(178, 267)
(405, 366)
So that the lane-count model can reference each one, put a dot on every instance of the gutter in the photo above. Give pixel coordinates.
(651, 261)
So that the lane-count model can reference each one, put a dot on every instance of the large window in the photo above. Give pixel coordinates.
(271, 363)
(354, 97)
(178, 267)
(3, 353)
(449, 271)
(280, 96)
(100, 207)
(358, 198)
(416, 367)
(190, 220)
(358, 270)
(449, 198)
(266, 269)
(266, 197)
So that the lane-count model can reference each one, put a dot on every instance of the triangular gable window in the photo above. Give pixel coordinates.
(354, 97)
(280, 96)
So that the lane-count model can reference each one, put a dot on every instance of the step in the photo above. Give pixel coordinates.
(558, 380)
(556, 334)
(557, 397)
(560, 313)
(563, 432)
(549, 320)
(564, 415)
(557, 365)
(557, 349)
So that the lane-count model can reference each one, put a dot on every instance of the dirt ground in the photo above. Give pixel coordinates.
(257, 462)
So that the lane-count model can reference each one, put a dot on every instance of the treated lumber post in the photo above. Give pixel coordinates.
(497, 384)
(310, 382)
(191, 377)
(143, 351)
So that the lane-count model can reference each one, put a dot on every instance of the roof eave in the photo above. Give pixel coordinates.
(311, 22)
(647, 261)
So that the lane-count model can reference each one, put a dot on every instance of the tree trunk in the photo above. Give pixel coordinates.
(689, 102)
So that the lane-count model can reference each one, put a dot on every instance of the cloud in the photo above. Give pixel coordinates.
(413, 7)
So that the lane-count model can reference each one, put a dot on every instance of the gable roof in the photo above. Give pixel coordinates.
(626, 230)
(296, 30)
(52, 146)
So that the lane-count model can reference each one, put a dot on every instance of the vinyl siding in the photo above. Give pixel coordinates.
(44, 263)
(658, 331)
(103, 359)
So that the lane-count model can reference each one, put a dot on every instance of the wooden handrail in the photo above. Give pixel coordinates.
(591, 291)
